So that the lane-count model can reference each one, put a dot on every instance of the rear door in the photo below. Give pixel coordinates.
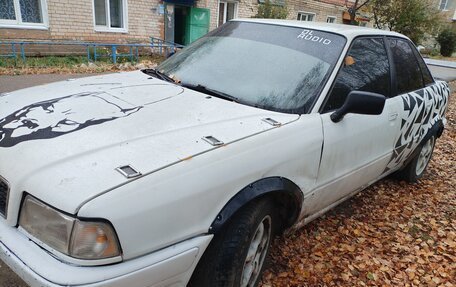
(357, 149)
(416, 90)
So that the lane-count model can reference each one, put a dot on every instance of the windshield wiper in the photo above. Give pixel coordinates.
(156, 73)
(199, 88)
(209, 91)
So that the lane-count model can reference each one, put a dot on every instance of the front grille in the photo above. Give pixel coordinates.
(4, 189)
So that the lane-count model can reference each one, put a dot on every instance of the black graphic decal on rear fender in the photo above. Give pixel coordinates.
(60, 116)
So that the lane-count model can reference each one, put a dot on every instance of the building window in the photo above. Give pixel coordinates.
(227, 11)
(443, 5)
(331, 19)
(110, 15)
(306, 16)
(23, 14)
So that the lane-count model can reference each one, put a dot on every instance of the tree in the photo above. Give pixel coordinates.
(413, 18)
(447, 42)
(355, 8)
(269, 10)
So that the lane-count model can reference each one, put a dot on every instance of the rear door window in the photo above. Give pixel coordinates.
(366, 68)
(408, 71)
(427, 78)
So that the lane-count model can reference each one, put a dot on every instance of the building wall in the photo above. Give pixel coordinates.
(246, 9)
(322, 9)
(73, 20)
(212, 5)
(249, 8)
(448, 14)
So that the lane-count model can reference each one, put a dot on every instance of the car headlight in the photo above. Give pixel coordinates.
(80, 239)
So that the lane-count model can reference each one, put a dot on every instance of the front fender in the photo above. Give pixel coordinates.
(284, 190)
(181, 201)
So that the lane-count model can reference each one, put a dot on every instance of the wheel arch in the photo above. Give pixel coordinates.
(283, 191)
(436, 130)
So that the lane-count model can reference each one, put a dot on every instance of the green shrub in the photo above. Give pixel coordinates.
(434, 53)
(447, 41)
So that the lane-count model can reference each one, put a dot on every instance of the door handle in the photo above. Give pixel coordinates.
(393, 116)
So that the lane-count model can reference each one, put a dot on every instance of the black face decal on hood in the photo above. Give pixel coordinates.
(56, 117)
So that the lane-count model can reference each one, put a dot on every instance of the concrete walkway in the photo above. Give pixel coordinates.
(443, 73)
(441, 69)
(12, 83)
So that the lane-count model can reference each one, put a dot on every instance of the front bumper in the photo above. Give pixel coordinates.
(171, 266)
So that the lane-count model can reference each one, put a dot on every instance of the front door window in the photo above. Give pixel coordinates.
(356, 150)
(366, 68)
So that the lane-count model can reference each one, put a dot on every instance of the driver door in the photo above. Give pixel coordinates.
(357, 149)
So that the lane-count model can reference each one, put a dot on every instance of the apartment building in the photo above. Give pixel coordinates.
(448, 9)
(135, 21)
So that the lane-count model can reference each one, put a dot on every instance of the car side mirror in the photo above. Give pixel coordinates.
(358, 102)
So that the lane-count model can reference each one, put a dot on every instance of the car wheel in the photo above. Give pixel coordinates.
(236, 256)
(416, 168)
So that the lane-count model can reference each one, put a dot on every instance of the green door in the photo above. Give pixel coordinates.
(197, 24)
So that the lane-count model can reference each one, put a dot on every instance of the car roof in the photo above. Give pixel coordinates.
(349, 31)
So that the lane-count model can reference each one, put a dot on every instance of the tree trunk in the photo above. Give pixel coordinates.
(352, 12)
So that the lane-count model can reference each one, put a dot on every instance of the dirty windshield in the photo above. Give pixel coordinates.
(272, 67)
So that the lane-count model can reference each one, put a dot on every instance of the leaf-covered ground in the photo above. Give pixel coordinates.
(392, 234)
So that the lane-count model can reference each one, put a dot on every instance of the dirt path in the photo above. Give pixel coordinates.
(12, 83)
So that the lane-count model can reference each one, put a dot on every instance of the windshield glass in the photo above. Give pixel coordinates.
(272, 67)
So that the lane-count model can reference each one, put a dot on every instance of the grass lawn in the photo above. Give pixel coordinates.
(72, 64)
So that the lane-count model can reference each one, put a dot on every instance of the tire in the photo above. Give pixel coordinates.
(225, 262)
(416, 168)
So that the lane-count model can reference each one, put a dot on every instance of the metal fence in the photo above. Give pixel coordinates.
(94, 51)
(165, 47)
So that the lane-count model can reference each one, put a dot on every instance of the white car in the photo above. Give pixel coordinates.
(182, 175)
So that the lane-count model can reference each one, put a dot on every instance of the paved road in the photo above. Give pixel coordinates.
(443, 73)
(12, 83)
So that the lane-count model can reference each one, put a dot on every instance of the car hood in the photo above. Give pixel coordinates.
(62, 142)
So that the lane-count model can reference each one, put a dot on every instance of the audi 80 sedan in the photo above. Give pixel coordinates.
(181, 175)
